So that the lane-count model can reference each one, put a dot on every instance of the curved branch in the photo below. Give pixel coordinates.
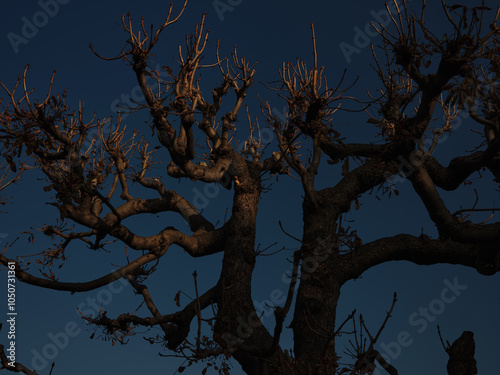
(339, 151)
(423, 251)
(178, 324)
(199, 244)
(27, 278)
(358, 181)
(18, 367)
(170, 201)
(448, 225)
(449, 178)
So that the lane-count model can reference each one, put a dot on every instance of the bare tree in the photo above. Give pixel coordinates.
(90, 167)
(10, 173)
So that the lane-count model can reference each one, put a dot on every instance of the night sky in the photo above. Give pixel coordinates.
(270, 34)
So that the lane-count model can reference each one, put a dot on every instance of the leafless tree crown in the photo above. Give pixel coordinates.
(92, 165)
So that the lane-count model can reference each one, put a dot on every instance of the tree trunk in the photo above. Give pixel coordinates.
(461, 352)
(238, 328)
(317, 297)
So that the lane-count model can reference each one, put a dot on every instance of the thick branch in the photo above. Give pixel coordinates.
(485, 259)
(450, 178)
(199, 244)
(448, 225)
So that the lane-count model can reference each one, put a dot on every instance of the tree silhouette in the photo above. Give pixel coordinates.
(90, 166)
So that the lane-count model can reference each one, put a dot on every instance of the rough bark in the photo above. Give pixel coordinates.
(461, 353)
(317, 296)
(329, 255)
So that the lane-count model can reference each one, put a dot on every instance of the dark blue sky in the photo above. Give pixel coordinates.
(272, 34)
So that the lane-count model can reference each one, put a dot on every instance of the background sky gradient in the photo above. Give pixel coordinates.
(270, 33)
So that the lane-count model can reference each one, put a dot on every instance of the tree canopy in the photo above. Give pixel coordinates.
(114, 186)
